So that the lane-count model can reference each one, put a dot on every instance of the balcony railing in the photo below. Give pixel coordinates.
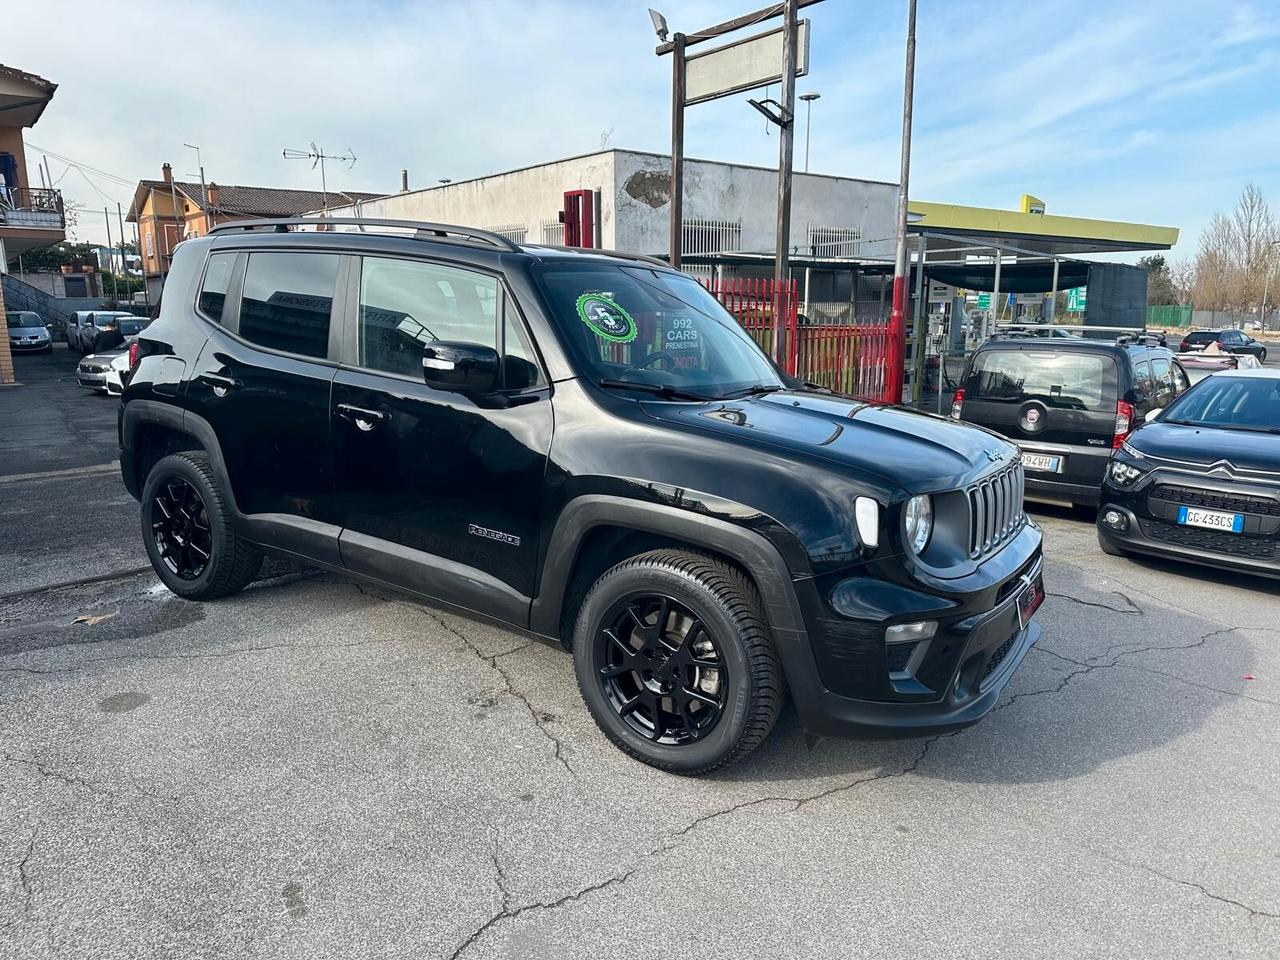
(32, 207)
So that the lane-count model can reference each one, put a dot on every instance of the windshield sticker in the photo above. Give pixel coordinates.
(606, 318)
(683, 335)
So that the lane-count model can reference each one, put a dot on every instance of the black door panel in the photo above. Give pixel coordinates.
(440, 474)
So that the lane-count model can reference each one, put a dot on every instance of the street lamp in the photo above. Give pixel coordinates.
(808, 99)
(1266, 285)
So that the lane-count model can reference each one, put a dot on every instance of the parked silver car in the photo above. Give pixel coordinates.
(101, 329)
(28, 333)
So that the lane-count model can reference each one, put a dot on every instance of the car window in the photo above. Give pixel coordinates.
(637, 324)
(217, 281)
(1230, 402)
(404, 304)
(1163, 376)
(1068, 380)
(1143, 388)
(1202, 336)
(287, 300)
(1180, 381)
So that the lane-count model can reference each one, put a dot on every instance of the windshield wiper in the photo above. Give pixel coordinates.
(663, 390)
(755, 390)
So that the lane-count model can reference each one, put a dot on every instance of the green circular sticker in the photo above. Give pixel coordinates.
(606, 318)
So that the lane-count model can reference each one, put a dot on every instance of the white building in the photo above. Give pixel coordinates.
(728, 208)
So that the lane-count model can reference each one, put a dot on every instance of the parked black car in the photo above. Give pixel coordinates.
(1229, 341)
(1201, 482)
(1066, 403)
(585, 446)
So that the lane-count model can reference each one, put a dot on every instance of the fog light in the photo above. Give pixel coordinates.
(1115, 520)
(907, 632)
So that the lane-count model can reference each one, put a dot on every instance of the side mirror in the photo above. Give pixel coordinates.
(1152, 414)
(467, 368)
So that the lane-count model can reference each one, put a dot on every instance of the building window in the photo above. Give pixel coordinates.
(834, 241)
(287, 300)
(150, 237)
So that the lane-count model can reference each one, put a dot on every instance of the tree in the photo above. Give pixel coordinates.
(53, 259)
(1159, 281)
(1182, 280)
(1236, 251)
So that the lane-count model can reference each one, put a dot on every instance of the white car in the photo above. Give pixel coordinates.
(115, 375)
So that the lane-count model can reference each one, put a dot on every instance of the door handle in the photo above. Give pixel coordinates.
(221, 384)
(363, 418)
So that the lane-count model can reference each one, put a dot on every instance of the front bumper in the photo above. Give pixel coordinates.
(848, 687)
(91, 379)
(30, 346)
(1148, 525)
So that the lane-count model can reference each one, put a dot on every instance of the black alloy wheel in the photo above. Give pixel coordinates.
(661, 669)
(180, 526)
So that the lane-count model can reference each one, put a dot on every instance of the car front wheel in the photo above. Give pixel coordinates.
(674, 661)
(188, 532)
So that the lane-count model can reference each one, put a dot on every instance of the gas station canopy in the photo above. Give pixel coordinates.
(1030, 231)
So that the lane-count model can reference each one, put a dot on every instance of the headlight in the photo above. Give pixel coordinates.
(918, 518)
(1123, 473)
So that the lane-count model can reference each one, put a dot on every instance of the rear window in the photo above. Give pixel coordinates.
(1069, 381)
(1203, 336)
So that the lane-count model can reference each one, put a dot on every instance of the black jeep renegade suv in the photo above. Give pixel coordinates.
(588, 447)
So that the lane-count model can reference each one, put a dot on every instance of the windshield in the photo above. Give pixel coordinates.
(1231, 403)
(654, 328)
(22, 319)
(1072, 381)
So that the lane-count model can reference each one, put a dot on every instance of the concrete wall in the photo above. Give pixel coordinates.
(518, 198)
(722, 191)
(635, 197)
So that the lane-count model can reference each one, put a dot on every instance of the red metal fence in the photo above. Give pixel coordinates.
(849, 358)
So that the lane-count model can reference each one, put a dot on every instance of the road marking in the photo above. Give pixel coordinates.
(91, 471)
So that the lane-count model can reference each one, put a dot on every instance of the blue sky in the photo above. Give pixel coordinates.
(1149, 111)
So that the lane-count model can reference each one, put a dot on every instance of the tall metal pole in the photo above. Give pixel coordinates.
(677, 149)
(786, 138)
(897, 327)
(124, 264)
(115, 290)
(1053, 297)
(918, 321)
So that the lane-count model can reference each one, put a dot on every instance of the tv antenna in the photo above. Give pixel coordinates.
(317, 156)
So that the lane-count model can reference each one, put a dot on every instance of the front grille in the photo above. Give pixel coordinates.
(997, 658)
(1230, 544)
(995, 510)
(1231, 502)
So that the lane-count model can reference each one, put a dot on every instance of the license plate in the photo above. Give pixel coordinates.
(1029, 599)
(1041, 461)
(1212, 519)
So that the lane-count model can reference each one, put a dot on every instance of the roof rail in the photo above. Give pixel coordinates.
(423, 230)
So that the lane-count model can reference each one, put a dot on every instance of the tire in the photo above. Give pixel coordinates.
(1262, 356)
(203, 526)
(618, 630)
(1109, 548)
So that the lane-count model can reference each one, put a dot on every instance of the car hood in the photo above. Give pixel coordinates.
(26, 331)
(918, 452)
(1240, 449)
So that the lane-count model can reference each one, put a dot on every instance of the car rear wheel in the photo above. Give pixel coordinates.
(675, 663)
(188, 532)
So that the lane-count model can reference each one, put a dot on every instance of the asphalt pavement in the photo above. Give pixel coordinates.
(313, 769)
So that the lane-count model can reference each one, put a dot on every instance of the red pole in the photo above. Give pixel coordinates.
(897, 318)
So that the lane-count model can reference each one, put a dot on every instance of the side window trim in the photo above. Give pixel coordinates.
(231, 305)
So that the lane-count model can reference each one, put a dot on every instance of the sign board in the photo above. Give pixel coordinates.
(1077, 299)
(940, 292)
(984, 301)
(743, 65)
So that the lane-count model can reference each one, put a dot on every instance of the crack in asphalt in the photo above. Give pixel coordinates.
(1253, 912)
(1133, 607)
(672, 840)
(24, 880)
(1097, 663)
(64, 778)
(540, 718)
